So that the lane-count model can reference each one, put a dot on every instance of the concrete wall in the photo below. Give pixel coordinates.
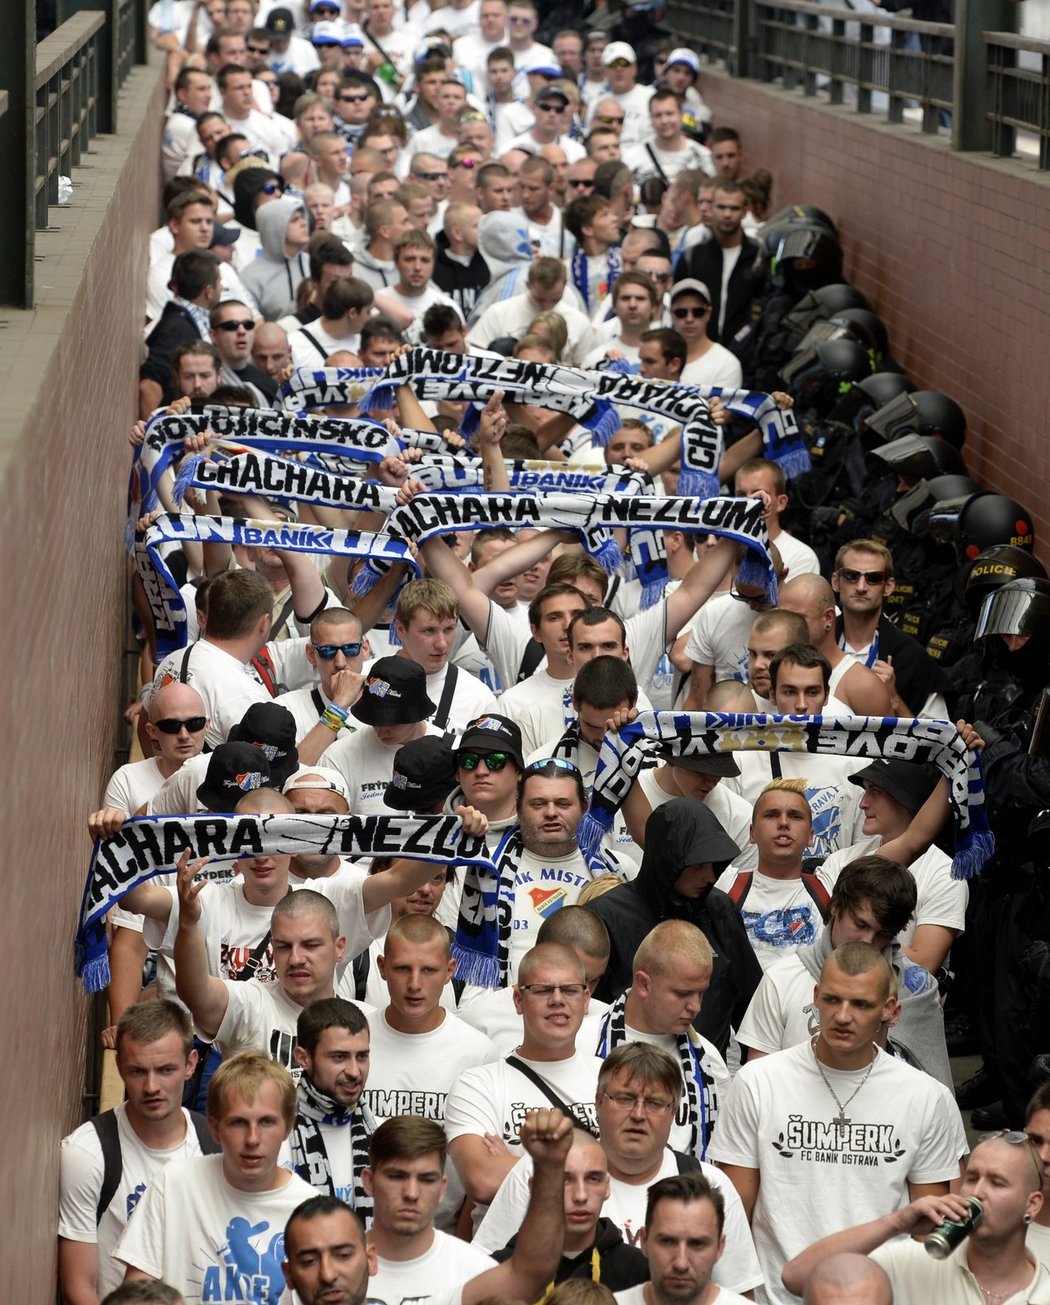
(69, 372)
(952, 249)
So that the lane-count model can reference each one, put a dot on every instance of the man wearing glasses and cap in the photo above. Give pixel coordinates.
(707, 363)
(336, 650)
(549, 105)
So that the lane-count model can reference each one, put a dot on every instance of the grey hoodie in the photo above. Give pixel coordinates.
(503, 242)
(272, 278)
(378, 272)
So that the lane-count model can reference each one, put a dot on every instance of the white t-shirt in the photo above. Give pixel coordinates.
(779, 915)
(541, 706)
(671, 162)
(505, 640)
(366, 766)
(449, 1264)
(432, 140)
(211, 1241)
(495, 1098)
(782, 1012)
(542, 885)
(512, 315)
(305, 351)
(815, 1179)
(470, 698)
(82, 1171)
(225, 685)
(941, 899)
(738, 1268)
(232, 927)
(131, 786)
(918, 1279)
(798, 558)
(719, 637)
(717, 367)
(636, 1295)
(418, 304)
(177, 795)
(303, 706)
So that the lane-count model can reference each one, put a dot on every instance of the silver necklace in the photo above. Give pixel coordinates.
(841, 1121)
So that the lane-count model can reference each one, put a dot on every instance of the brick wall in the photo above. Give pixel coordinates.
(69, 369)
(953, 250)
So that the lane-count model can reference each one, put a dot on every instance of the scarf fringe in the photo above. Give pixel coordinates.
(605, 426)
(652, 592)
(185, 476)
(595, 826)
(753, 571)
(91, 961)
(793, 461)
(608, 555)
(475, 968)
(971, 853)
(379, 396)
(692, 481)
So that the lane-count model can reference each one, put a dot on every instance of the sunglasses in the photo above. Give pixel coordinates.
(493, 760)
(757, 602)
(620, 63)
(1015, 1137)
(354, 99)
(430, 176)
(469, 164)
(551, 108)
(682, 313)
(233, 326)
(608, 119)
(272, 188)
(192, 724)
(581, 185)
(258, 49)
(327, 651)
(851, 577)
(557, 762)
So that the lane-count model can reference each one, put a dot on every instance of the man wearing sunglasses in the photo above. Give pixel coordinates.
(337, 651)
(862, 580)
(621, 70)
(233, 334)
(354, 100)
(707, 363)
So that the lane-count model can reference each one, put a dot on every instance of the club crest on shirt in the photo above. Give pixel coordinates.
(545, 901)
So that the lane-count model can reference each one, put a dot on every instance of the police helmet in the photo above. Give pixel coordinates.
(1021, 606)
(937, 414)
(918, 457)
(988, 519)
(838, 297)
(990, 570)
(884, 387)
(867, 327)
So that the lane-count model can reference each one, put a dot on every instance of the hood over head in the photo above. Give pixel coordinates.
(681, 833)
(272, 220)
(503, 240)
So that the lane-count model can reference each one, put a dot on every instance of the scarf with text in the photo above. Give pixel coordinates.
(481, 946)
(310, 1159)
(166, 603)
(318, 387)
(589, 396)
(594, 517)
(701, 1097)
(359, 443)
(147, 846)
(454, 475)
(682, 734)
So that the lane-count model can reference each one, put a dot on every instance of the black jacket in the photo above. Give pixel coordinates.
(174, 326)
(619, 1266)
(916, 673)
(682, 833)
(705, 263)
(462, 283)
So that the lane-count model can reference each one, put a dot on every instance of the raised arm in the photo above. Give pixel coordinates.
(547, 1136)
(404, 877)
(700, 582)
(916, 1219)
(205, 995)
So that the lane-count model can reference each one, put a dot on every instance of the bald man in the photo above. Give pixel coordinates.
(848, 1280)
(270, 350)
(812, 598)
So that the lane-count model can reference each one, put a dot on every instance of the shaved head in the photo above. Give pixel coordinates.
(848, 1280)
(176, 700)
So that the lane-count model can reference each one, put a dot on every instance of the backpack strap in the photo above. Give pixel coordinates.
(315, 342)
(818, 891)
(105, 1126)
(184, 665)
(656, 164)
(208, 1144)
(740, 888)
(263, 663)
(362, 964)
(282, 617)
(448, 691)
(530, 659)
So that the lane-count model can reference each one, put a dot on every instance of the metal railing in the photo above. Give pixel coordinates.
(1018, 91)
(57, 97)
(986, 86)
(824, 47)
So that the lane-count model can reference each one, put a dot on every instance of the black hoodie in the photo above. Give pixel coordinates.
(619, 1266)
(678, 834)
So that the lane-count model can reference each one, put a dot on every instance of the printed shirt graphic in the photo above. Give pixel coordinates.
(816, 1178)
(779, 915)
(542, 885)
(210, 1241)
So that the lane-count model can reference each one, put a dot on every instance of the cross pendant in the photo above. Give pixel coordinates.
(841, 1122)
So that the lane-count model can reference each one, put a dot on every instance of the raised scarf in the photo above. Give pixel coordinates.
(147, 846)
(682, 734)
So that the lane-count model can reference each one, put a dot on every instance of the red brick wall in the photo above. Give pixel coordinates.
(71, 368)
(953, 251)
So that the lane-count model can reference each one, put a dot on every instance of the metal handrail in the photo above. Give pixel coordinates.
(66, 88)
(1018, 93)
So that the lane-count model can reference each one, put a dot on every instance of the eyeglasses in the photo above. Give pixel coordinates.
(253, 154)
(233, 326)
(558, 762)
(469, 164)
(625, 1101)
(851, 577)
(354, 99)
(258, 49)
(192, 724)
(430, 176)
(1016, 1138)
(327, 651)
(657, 276)
(581, 185)
(493, 760)
(551, 108)
(757, 602)
(520, 21)
(609, 119)
(682, 313)
(543, 990)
